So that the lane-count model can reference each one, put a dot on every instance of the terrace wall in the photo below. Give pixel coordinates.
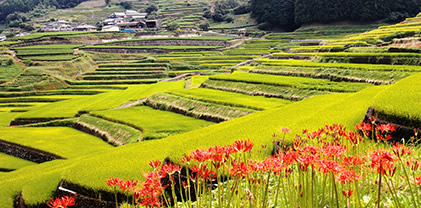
(26, 153)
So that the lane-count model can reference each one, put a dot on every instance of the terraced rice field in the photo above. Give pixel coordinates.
(167, 119)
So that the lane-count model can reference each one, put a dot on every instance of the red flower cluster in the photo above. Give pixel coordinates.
(62, 202)
(329, 150)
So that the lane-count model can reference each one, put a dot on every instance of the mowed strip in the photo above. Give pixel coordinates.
(62, 141)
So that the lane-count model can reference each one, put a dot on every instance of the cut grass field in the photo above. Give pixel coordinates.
(12, 163)
(155, 124)
(62, 141)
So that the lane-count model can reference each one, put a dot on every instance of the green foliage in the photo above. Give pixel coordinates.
(358, 10)
(278, 13)
(13, 7)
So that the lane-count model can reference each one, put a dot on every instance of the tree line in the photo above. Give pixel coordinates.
(290, 14)
(13, 7)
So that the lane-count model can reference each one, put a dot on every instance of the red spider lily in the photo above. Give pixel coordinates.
(348, 193)
(114, 182)
(382, 160)
(329, 166)
(169, 169)
(127, 185)
(413, 164)
(62, 202)
(307, 160)
(203, 172)
(400, 150)
(382, 138)
(286, 130)
(352, 161)
(289, 157)
(333, 150)
(353, 137)
(348, 177)
(155, 163)
(386, 127)
(185, 159)
(201, 155)
(363, 127)
(239, 170)
(243, 146)
(418, 180)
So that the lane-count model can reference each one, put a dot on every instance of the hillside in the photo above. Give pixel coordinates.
(78, 108)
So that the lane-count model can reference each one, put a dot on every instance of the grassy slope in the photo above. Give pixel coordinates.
(126, 161)
(99, 102)
(155, 123)
(230, 98)
(54, 139)
(402, 99)
(10, 162)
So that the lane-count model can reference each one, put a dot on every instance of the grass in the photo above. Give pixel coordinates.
(195, 108)
(230, 99)
(9, 69)
(196, 81)
(369, 67)
(156, 124)
(118, 134)
(294, 82)
(152, 47)
(204, 38)
(69, 108)
(270, 91)
(53, 139)
(12, 163)
(51, 58)
(401, 102)
(382, 77)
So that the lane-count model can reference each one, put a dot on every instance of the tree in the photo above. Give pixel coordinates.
(172, 26)
(151, 9)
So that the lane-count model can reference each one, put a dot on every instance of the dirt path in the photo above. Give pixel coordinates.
(251, 60)
(130, 104)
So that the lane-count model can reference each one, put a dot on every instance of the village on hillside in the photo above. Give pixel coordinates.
(128, 21)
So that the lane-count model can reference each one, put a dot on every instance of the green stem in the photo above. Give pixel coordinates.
(391, 188)
(380, 185)
(115, 196)
(409, 183)
(336, 191)
(266, 191)
(277, 190)
(323, 190)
